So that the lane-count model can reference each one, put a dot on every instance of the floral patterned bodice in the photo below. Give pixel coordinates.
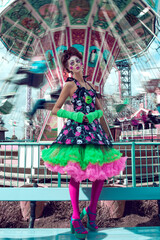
(83, 100)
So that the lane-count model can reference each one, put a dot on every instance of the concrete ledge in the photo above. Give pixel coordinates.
(140, 233)
(62, 194)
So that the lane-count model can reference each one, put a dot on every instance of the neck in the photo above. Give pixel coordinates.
(78, 76)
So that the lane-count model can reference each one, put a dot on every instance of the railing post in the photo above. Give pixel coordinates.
(33, 211)
(133, 165)
(59, 180)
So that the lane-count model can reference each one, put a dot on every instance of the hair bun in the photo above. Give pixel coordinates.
(67, 54)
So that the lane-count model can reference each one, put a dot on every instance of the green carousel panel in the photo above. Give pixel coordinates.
(7, 29)
(132, 14)
(26, 20)
(50, 11)
(106, 11)
(79, 11)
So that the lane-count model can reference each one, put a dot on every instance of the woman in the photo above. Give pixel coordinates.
(82, 148)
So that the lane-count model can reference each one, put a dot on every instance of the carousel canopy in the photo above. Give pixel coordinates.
(31, 19)
(103, 31)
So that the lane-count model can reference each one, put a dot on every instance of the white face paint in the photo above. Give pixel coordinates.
(75, 64)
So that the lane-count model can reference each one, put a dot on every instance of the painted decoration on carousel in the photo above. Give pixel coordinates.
(49, 11)
(79, 11)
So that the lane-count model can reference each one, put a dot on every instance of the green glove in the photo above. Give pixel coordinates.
(94, 115)
(76, 116)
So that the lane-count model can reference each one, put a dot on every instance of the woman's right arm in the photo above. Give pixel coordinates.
(65, 93)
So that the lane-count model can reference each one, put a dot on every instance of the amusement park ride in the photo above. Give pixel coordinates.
(108, 33)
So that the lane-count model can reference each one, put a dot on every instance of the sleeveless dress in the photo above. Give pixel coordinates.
(83, 150)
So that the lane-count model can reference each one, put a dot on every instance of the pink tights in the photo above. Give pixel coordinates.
(74, 194)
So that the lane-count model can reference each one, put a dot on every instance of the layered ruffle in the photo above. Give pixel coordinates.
(92, 172)
(84, 161)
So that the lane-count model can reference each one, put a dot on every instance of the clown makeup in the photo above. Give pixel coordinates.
(74, 64)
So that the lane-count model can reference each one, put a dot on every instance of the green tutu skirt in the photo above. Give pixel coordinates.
(82, 162)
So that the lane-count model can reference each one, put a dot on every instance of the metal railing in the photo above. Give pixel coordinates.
(130, 133)
(21, 166)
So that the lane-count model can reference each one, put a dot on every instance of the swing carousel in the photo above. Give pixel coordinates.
(105, 32)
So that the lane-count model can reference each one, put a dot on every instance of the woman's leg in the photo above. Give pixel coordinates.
(76, 224)
(74, 195)
(95, 193)
(91, 209)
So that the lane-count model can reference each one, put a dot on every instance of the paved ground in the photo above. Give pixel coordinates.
(140, 233)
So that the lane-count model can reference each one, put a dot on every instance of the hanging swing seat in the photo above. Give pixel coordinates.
(38, 66)
(5, 106)
(28, 78)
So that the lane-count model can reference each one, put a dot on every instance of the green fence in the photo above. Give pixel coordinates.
(21, 166)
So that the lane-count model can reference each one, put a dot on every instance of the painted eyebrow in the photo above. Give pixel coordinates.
(71, 61)
(74, 60)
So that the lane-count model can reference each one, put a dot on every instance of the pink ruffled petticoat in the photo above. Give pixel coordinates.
(93, 172)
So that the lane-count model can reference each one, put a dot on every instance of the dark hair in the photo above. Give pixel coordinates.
(67, 54)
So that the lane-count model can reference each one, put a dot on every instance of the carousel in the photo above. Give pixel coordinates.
(37, 32)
